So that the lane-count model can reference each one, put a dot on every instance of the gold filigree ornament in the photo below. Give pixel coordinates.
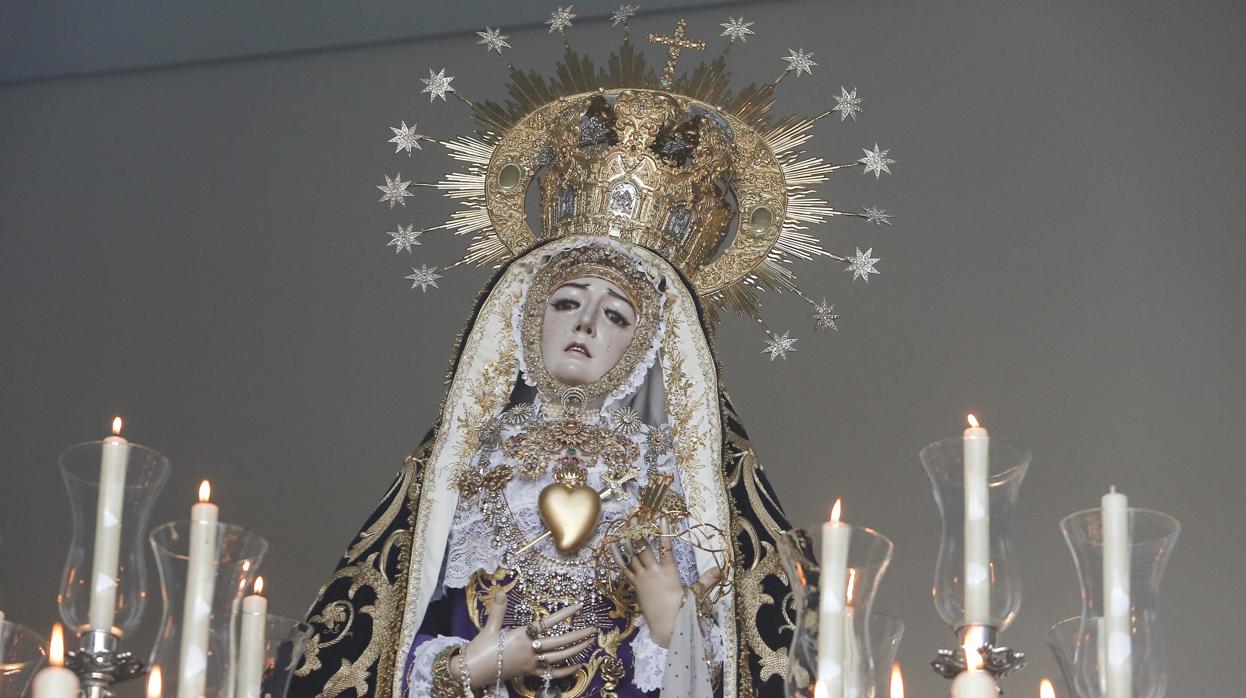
(706, 176)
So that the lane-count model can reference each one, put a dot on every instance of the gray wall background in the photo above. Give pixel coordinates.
(200, 250)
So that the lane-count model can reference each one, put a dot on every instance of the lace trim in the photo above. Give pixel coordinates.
(648, 660)
(473, 545)
(422, 672)
(637, 378)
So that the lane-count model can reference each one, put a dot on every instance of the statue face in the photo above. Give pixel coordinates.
(588, 325)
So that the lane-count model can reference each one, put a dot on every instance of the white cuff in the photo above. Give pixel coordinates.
(648, 660)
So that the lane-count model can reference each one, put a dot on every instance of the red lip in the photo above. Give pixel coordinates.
(579, 346)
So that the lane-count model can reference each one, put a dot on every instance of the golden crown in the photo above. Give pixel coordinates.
(681, 164)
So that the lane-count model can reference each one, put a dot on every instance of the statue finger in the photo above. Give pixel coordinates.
(563, 655)
(558, 642)
(618, 559)
(560, 615)
(711, 577)
(496, 613)
(666, 543)
(564, 672)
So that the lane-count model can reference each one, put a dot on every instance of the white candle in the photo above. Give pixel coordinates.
(973, 682)
(114, 457)
(192, 665)
(154, 683)
(897, 681)
(251, 645)
(835, 538)
(1045, 689)
(1118, 664)
(54, 680)
(977, 443)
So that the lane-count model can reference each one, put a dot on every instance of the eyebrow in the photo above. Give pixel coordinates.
(585, 287)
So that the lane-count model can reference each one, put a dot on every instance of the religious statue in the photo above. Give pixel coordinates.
(587, 516)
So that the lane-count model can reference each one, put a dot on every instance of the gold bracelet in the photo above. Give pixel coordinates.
(445, 683)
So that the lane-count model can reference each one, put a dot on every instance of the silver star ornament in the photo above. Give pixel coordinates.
(436, 85)
(737, 28)
(406, 138)
(824, 316)
(622, 14)
(847, 104)
(876, 161)
(862, 265)
(493, 40)
(560, 19)
(779, 345)
(800, 61)
(877, 216)
(423, 277)
(394, 190)
(403, 238)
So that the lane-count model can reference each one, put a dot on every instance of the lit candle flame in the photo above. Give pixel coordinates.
(820, 690)
(153, 683)
(973, 658)
(259, 584)
(56, 648)
(897, 681)
(973, 421)
(835, 511)
(205, 491)
(116, 426)
(1045, 689)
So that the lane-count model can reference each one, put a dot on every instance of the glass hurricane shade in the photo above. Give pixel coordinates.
(145, 475)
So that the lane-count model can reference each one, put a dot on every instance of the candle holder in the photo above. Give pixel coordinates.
(238, 555)
(145, 475)
(1062, 641)
(870, 639)
(21, 654)
(1153, 535)
(944, 464)
(284, 640)
(98, 661)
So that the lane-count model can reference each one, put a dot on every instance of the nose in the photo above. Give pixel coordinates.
(586, 322)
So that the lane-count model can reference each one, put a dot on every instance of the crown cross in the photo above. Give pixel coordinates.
(677, 43)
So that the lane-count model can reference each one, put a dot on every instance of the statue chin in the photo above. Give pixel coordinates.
(576, 372)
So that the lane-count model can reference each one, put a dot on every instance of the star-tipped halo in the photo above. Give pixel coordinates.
(800, 61)
(560, 19)
(394, 190)
(824, 316)
(624, 13)
(779, 345)
(737, 28)
(406, 138)
(862, 265)
(423, 277)
(847, 104)
(403, 238)
(436, 85)
(877, 216)
(493, 40)
(876, 161)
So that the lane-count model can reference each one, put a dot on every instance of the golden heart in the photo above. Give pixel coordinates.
(570, 513)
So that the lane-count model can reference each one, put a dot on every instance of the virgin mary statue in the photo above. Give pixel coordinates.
(587, 516)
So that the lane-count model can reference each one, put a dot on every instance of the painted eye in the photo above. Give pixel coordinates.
(564, 304)
(617, 319)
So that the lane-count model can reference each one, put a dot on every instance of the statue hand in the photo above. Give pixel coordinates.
(518, 656)
(659, 590)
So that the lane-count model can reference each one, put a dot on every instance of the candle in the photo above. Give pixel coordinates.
(54, 680)
(1045, 689)
(1118, 664)
(835, 539)
(897, 681)
(251, 651)
(114, 457)
(973, 682)
(154, 682)
(976, 444)
(192, 665)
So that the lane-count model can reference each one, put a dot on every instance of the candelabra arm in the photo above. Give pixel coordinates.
(996, 659)
(99, 664)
